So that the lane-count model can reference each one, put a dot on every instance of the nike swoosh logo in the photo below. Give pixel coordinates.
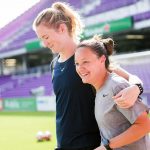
(104, 95)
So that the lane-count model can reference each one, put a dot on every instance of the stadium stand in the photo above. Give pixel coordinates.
(17, 34)
(107, 5)
(18, 25)
(21, 86)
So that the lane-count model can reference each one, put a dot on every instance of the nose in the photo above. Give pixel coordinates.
(79, 68)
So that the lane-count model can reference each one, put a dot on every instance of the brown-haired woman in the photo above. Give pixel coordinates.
(120, 128)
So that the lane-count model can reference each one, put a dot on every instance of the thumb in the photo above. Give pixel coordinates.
(117, 95)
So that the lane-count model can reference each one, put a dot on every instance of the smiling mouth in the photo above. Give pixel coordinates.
(83, 75)
(51, 46)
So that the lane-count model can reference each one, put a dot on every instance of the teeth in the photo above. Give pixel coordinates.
(84, 74)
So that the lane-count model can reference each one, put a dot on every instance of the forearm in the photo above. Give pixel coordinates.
(121, 72)
(132, 134)
(133, 79)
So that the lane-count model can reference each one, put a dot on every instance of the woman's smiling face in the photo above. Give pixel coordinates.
(88, 65)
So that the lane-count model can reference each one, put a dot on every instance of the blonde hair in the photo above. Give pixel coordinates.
(60, 13)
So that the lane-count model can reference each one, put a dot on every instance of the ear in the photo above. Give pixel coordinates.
(102, 59)
(62, 28)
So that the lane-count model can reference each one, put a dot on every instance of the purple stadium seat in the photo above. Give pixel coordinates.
(23, 88)
(107, 5)
(142, 16)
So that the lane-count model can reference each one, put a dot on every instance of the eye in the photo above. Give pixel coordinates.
(76, 64)
(85, 62)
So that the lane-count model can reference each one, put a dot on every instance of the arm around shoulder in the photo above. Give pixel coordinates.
(127, 97)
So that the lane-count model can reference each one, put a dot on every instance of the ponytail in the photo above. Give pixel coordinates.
(60, 13)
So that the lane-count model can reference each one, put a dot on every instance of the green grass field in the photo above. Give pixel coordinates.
(18, 130)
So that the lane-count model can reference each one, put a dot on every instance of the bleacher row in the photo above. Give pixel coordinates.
(106, 5)
(21, 86)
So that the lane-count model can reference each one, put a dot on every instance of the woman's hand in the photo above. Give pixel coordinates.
(100, 148)
(127, 97)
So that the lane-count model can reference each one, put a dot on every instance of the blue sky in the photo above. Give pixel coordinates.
(14, 9)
